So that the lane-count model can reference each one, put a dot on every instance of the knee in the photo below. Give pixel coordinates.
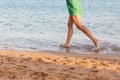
(79, 27)
(69, 25)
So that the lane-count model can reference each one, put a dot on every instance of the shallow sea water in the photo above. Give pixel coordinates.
(41, 25)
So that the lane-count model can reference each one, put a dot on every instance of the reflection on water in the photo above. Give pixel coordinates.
(104, 48)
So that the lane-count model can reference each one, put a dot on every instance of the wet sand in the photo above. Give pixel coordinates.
(29, 65)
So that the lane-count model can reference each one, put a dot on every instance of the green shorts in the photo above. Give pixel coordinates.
(74, 7)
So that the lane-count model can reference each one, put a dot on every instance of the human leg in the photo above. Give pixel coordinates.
(76, 19)
(70, 32)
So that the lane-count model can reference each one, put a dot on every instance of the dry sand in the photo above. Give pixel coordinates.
(28, 65)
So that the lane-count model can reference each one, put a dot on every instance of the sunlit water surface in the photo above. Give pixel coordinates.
(41, 25)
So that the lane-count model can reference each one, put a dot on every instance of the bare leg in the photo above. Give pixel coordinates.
(76, 19)
(70, 32)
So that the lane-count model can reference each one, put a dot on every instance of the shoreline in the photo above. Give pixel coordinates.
(27, 65)
(37, 54)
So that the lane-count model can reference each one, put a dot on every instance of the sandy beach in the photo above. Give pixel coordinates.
(29, 65)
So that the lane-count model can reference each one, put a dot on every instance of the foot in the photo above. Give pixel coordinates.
(64, 45)
(96, 42)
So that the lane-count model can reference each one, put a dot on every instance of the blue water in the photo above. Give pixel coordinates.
(41, 25)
